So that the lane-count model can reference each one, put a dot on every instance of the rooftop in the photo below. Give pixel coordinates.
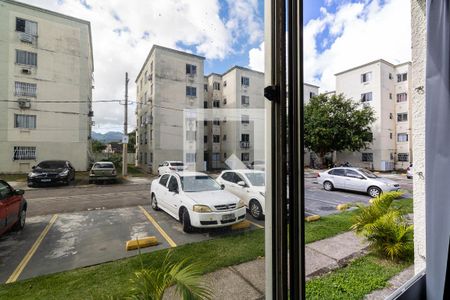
(371, 63)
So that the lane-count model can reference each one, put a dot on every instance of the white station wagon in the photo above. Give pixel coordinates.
(196, 200)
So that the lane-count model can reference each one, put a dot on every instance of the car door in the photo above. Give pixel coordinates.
(354, 181)
(173, 195)
(338, 178)
(11, 203)
(3, 212)
(226, 179)
(241, 191)
(161, 192)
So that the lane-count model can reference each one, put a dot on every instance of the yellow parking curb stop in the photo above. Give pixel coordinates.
(241, 225)
(312, 218)
(141, 243)
(343, 206)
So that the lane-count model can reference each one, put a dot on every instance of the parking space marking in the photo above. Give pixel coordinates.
(161, 231)
(31, 252)
(255, 224)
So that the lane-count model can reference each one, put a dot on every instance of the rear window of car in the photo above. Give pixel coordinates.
(104, 166)
(52, 165)
(177, 164)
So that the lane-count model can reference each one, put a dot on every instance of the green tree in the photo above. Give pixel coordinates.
(334, 123)
(97, 146)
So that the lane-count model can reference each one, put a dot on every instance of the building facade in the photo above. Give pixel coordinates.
(387, 89)
(169, 84)
(46, 74)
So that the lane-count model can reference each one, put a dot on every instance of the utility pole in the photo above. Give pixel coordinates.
(125, 132)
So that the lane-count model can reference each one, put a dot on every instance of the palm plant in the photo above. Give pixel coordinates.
(384, 227)
(150, 284)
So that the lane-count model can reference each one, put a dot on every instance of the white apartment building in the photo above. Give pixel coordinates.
(386, 88)
(169, 83)
(46, 73)
(237, 131)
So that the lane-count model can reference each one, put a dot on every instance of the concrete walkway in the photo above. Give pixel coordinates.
(247, 280)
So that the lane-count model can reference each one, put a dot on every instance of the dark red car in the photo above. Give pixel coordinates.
(13, 208)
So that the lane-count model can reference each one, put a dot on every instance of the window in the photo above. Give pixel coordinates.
(216, 103)
(402, 137)
(245, 81)
(245, 100)
(245, 156)
(390, 76)
(190, 157)
(368, 157)
(216, 138)
(402, 97)
(191, 69)
(366, 97)
(25, 89)
(402, 117)
(24, 153)
(390, 96)
(5, 191)
(24, 121)
(245, 119)
(403, 157)
(337, 172)
(151, 134)
(146, 75)
(26, 26)
(173, 183)
(216, 86)
(390, 116)
(402, 77)
(145, 98)
(145, 158)
(352, 174)
(205, 87)
(225, 155)
(163, 180)
(224, 83)
(191, 91)
(224, 137)
(191, 135)
(366, 77)
(215, 156)
(311, 94)
(224, 101)
(390, 135)
(205, 139)
(216, 122)
(205, 104)
(228, 176)
(26, 58)
(151, 157)
(245, 137)
(205, 123)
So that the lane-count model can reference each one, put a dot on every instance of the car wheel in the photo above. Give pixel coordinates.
(186, 221)
(328, 186)
(154, 202)
(374, 191)
(21, 222)
(255, 209)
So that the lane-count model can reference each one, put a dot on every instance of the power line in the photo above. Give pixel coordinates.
(65, 101)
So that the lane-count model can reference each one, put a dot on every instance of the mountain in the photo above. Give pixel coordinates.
(111, 136)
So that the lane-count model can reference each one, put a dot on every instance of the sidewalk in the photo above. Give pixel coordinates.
(247, 280)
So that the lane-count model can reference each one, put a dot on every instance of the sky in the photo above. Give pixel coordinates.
(338, 35)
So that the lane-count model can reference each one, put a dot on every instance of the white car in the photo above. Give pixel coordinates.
(356, 179)
(196, 200)
(170, 166)
(249, 186)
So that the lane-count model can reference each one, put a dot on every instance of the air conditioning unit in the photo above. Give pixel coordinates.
(26, 71)
(26, 37)
(91, 113)
(24, 103)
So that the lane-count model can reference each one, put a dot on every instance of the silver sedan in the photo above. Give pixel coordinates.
(356, 179)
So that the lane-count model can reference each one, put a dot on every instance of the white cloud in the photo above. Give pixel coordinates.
(123, 33)
(358, 33)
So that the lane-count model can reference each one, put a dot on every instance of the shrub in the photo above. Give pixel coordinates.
(387, 232)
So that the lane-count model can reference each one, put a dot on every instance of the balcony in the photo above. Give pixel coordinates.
(245, 145)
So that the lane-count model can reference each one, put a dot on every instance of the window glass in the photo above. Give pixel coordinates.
(5, 190)
(351, 173)
(173, 183)
(163, 179)
(338, 172)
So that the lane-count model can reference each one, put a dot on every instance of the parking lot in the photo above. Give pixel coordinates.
(72, 227)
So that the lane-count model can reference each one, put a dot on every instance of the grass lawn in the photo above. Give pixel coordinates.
(113, 279)
(354, 281)
(14, 177)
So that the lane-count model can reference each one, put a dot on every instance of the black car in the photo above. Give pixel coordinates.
(51, 172)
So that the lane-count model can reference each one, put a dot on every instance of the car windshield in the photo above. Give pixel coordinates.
(256, 179)
(199, 184)
(106, 165)
(367, 173)
(177, 164)
(51, 165)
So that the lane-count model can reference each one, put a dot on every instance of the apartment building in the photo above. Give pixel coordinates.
(169, 84)
(46, 74)
(235, 135)
(386, 88)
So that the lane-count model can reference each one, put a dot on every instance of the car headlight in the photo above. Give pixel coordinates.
(64, 173)
(263, 194)
(31, 174)
(241, 203)
(201, 208)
